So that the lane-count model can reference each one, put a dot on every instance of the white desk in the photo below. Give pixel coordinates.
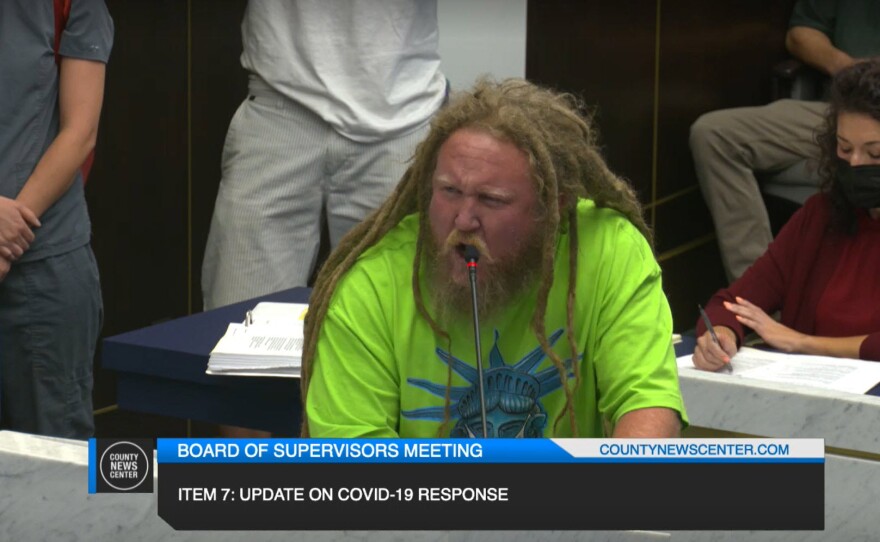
(849, 423)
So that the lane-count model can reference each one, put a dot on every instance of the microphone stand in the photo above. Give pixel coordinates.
(471, 255)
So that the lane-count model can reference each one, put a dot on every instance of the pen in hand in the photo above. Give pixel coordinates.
(711, 330)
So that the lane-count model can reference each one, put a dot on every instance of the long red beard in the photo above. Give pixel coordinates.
(499, 281)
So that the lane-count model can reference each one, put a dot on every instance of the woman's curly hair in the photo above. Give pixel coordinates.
(855, 89)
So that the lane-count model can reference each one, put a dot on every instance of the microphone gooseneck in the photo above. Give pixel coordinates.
(471, 256)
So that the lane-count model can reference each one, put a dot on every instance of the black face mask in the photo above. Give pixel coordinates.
(860, 184)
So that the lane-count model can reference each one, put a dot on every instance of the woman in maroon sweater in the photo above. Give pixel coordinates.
(823, 269)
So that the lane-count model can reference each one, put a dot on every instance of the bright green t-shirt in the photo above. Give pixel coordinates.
(380, 370)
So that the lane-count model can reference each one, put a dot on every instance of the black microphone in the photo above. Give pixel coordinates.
(471, 256)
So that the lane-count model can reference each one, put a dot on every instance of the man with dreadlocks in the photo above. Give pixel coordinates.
(577, 329)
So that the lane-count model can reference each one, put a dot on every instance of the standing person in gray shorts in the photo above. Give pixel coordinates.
(50, 295)
(340, 93)
(730, 145)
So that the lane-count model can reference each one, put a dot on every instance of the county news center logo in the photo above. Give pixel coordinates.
(123, 466)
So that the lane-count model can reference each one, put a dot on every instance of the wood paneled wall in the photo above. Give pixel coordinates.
(173, 83)
(651, 68)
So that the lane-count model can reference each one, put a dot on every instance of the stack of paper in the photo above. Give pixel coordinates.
(268, 343)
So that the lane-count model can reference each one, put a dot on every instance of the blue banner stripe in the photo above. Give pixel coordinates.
(93, 481)
(360, 451)
(413, 451)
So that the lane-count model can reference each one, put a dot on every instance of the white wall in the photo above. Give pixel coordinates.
(482, 36)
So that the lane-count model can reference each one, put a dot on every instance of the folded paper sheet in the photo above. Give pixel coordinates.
(841, 374)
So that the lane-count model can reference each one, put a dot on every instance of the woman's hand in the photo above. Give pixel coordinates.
(712, 356)
(772, 332)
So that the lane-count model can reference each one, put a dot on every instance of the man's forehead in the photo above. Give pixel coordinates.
(474, 151)
(476, 136)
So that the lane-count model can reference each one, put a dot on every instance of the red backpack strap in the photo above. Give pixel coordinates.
(62, 14)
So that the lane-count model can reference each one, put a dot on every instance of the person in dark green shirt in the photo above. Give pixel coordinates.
(730, 145)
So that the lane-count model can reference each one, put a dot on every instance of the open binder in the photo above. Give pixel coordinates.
(268, 343)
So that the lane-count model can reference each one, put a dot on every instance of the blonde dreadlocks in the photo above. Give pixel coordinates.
(560, 143)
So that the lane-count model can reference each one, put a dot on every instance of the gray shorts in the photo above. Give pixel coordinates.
(283, 166)
(51, 314)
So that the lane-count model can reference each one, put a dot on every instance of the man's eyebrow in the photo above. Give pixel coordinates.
(497, 192)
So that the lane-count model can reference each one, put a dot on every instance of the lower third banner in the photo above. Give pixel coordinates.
(542, 484)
